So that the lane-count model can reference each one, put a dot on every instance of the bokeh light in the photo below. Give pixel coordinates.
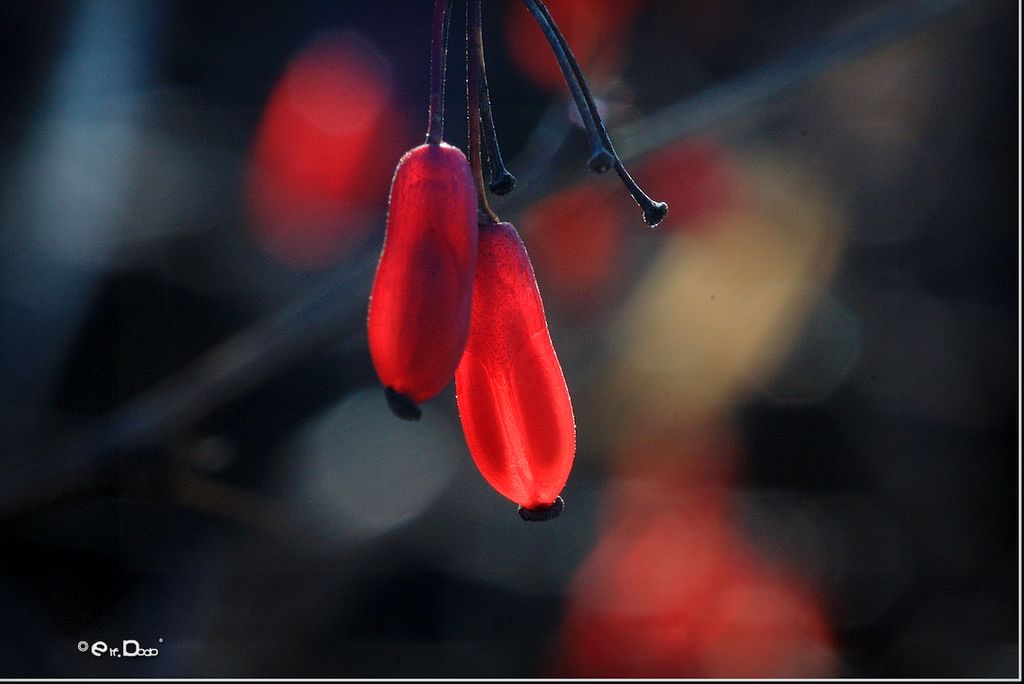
(695, 178)
(576, 244)
(596, 30)
(673, 590)
(324, 151)
(359, 475)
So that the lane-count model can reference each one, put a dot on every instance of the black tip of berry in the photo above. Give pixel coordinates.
(601, 161)
(401, 405)
(654, 213)
(542, 513)
(503, 184)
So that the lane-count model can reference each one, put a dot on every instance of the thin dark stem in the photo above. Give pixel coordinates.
(577, 74)
(654, 211)
(473, 75)
(502, 182)
(439, 53)
(601, 158)
(605, 155)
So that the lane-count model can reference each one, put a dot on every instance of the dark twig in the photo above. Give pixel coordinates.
(601, 158)
(241, 362)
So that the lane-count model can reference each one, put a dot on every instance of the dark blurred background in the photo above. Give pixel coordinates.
(796, 401)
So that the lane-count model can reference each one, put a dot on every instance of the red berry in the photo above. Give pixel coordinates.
(512, 397)
(420, 304)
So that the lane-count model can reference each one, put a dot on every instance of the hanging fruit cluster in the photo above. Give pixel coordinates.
(455, 293)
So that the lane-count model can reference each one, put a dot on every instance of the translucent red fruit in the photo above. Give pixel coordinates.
(512, 397)
(422, 292)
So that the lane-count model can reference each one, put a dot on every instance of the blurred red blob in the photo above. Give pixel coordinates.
(596, 31)
(324, 151)
(695, 177)
(581, 232)
(578, 242)
(673, 590)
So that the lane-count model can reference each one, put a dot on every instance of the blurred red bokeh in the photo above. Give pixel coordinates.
(596, 31)
(673, 590)
(324, 151)
(575, 246)
(696, 177)
(578, 236)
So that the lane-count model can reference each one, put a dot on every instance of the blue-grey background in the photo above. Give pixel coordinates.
(194, 447)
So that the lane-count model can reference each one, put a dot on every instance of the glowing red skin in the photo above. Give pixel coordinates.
(419, 308)
(513, 401)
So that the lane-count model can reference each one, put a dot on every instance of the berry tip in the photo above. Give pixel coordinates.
(402, 406)
(542, 513)
(654, 213)
(601, 161)
(503, 184)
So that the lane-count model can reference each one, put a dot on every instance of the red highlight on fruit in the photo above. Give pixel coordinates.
(512, 397)
(420, 304)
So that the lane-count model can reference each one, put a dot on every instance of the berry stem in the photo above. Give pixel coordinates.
(502, 182)
(438, 56)
(474, 49)
(601, 158)
(603, 154)
(654, 211)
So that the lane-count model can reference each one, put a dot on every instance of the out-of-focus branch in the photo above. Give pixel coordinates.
(884, 26)
(307, 325)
